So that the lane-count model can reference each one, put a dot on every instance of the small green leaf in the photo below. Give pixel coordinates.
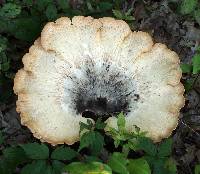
(188, 6)
(196, 64)
(121, 121)
(197, 169)
(93, 140)
(164, 148)
(92, 168)
(188, 85)
(138, 166)
(63, 153)
(84, 126)
(10, 10)
(36, 151)
(118, 14)
(118, 163)
(99, 124)
(36, 167)
(186, 68)
(51, 12)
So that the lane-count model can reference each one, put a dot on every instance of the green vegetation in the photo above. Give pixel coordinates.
(39, 158)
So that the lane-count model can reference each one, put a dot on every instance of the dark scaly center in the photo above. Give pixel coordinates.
(103, 90)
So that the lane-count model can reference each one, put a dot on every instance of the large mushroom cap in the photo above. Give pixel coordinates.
(98, 66)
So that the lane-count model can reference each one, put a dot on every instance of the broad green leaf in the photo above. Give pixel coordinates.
(63, 153)
(4, 167)
(196, 64)
(90, 168)
(10, 10)
(36, 167)
(197, 169)
(92, 139)
(121, 121)
(118, 162)
(138, 166)
(188, 6)
(186, 68)
(36, 151)
(164, 148)
(197, 15)
(13, 156)
(57, 166)
(51, 12)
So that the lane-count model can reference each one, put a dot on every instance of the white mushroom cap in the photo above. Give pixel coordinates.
(102, 66)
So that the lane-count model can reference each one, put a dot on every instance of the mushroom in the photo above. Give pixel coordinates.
(97, 67)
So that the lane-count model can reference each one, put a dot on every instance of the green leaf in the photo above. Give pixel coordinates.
(197, 15)
(138, 166)
(10, 10)
(188, 6)
(57, 166)
(196, 64)
(99, 124)
(36, 167)
(84, 126)
(36, 151)
(170, 165)
(83, 168)
(165, 148)
(197, 169)
(63, 153)
(14, 156)
(92, 139)
(186, 68)
(121, 121)
(118, 163)
(118, 14)
(188, 85)
(51, 12)
(147, 145)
